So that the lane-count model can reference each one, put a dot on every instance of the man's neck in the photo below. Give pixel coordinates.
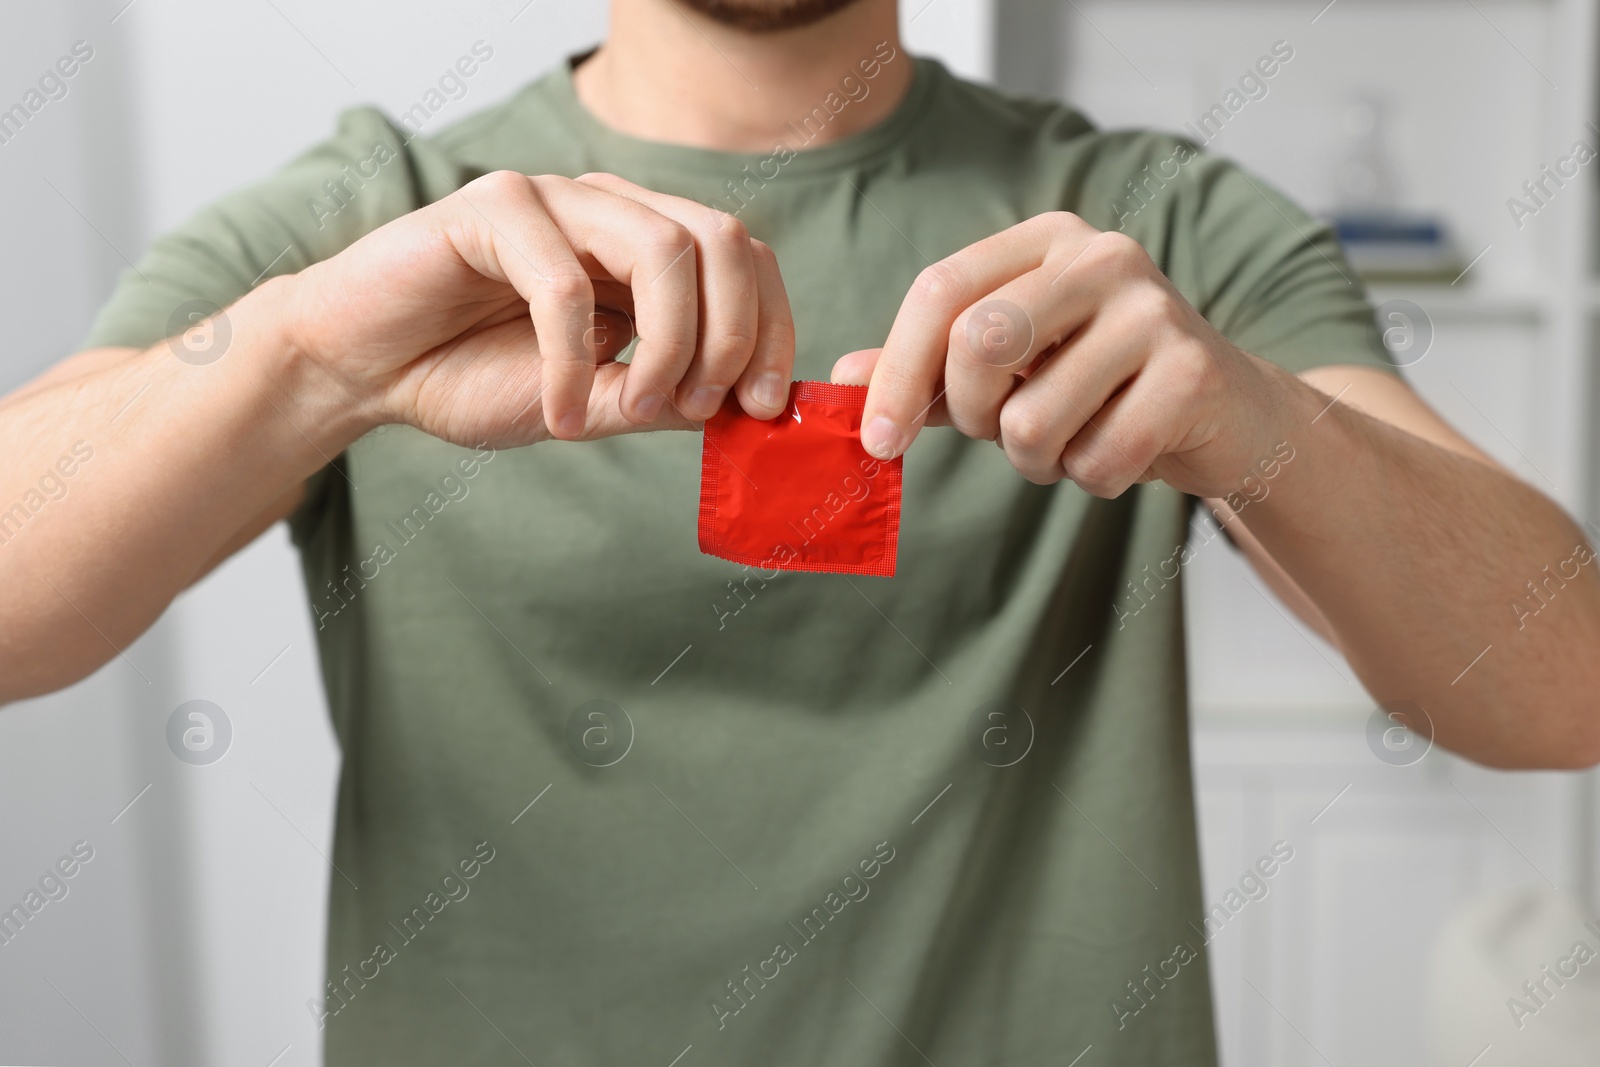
(668, 73)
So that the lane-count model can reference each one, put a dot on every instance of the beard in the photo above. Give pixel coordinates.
(767, 16)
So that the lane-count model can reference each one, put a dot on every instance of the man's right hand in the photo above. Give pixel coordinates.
(494, 316)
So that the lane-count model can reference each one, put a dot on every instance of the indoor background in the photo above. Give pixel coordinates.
(1423, 890)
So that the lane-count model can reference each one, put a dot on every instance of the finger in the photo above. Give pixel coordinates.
(655, 257)
(855, 368)
(728, 294)
(1001, 339)
(1058, 314)
(763, 386)
(1007, 335)
(1069, 385)
(506, 233)
(1122, 442)
(486, 387)
(906, 379)
(606, 406)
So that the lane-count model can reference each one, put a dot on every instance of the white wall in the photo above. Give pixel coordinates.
(90, 958)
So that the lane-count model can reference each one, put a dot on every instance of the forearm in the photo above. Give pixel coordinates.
(1445, 581)
(169, 462)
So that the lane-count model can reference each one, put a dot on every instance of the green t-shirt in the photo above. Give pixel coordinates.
(943, 817)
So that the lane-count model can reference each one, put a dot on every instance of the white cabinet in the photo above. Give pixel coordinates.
(1333, 962)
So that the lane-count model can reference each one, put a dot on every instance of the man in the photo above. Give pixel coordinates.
(781, 818)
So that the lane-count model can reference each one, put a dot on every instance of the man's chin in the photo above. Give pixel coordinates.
(767, 16)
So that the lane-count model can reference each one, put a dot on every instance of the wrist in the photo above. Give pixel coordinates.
(1313, 445)
(1296, 408)
(328, 407)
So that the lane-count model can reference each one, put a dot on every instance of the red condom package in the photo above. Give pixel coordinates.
(798, 492)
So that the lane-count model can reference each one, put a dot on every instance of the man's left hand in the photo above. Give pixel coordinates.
(1068, 347)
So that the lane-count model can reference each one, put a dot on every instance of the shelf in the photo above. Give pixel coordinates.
(1466, 303)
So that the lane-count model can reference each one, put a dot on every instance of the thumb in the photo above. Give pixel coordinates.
(855, 368)
(605, 418)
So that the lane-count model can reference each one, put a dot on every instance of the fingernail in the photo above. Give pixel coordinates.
(768, 390)
(881, 437)
(648, 407)
(706, 399)
(571, 424)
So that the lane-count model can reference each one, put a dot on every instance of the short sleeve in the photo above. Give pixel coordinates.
(365, 175)
(362, 177)
(1272, 279)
